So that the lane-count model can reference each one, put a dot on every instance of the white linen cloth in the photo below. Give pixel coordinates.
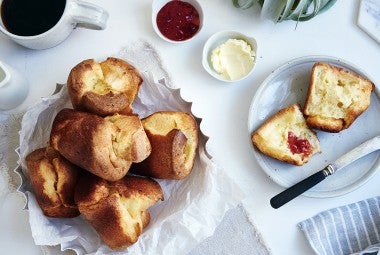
(235, 235)
(10, 124)
(349, 229)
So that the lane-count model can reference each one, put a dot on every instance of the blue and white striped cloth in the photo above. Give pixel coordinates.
(349, 229)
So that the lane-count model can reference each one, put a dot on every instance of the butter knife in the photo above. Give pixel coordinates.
(297, 189)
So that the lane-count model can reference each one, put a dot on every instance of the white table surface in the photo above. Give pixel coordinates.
(223, 106)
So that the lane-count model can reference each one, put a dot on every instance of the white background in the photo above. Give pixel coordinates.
(223, 106)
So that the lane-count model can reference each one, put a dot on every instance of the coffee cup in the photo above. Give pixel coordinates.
(42, 24)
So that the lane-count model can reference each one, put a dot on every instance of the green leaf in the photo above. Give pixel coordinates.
(326, 5)
(306, 16)
(319, 6)
(288, 10)
(272, 9)
(302, 7)
(243, 4)
(279, 10)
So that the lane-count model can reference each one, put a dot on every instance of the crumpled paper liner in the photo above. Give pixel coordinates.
(193, 207)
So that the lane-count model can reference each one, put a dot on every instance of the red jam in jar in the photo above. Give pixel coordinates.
(298, 145)
(178, 20)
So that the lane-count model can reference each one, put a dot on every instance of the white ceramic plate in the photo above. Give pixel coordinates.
(289, 84)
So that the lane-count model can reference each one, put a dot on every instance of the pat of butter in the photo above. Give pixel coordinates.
(233, 59)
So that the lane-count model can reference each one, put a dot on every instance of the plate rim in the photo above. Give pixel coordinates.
(291, 63)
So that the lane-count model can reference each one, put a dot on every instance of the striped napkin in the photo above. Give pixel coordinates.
(349, 229)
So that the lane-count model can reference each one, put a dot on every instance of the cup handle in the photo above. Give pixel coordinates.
(89, 15)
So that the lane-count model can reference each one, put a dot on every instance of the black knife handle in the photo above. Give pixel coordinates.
(297, 189)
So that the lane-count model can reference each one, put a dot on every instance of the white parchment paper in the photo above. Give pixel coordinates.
(192, 208)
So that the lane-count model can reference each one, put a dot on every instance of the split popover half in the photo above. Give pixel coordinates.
(104, 88)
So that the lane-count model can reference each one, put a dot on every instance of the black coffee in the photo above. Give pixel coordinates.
(31, 17)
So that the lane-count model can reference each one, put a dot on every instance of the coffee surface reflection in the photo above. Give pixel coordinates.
(31, 17)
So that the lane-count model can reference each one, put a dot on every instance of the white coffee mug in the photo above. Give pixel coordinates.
(76, 12)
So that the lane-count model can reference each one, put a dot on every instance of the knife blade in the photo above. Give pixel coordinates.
(297, 189)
